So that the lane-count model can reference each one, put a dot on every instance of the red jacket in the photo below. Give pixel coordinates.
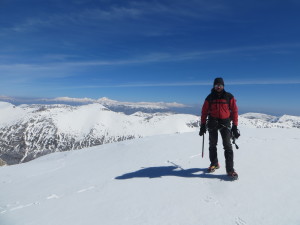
(220, 106)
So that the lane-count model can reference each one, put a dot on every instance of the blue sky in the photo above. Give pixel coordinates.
(167, 50)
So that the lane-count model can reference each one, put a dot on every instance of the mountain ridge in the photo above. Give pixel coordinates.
(30, 131)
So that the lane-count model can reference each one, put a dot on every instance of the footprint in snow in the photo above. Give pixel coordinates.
(86, 189)
(240, 221)
(24, 206)
(210, 199)
(53, 196)
(193, 156)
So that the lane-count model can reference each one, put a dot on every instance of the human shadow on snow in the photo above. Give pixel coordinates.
(161, 171)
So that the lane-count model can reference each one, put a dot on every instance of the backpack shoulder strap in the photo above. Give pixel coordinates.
(209, 99)
(228, 97)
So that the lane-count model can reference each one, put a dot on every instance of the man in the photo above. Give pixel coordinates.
(220, 108)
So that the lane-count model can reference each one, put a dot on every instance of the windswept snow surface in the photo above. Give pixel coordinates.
(158, 180)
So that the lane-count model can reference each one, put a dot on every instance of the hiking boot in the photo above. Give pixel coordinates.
(233, 175)
(213, 168)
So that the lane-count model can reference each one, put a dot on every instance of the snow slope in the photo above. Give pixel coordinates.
(158, 180)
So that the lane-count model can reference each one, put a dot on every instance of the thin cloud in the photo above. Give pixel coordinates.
(50, 67)
(114, 13)
(151, 57)
(185, 84)
(202, 10)
(195, 9)
(86, 16)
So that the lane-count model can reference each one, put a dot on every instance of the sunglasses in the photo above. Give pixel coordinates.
(219, 85)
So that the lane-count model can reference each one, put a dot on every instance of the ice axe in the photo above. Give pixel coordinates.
(233, 142)
(232, 136)
(203, 147)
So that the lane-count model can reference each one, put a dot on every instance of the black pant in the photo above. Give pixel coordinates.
(222, 125)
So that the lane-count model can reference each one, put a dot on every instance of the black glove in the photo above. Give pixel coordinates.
(202, 129)
(235, 132)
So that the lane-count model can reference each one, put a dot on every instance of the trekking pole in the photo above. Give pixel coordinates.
(203, 147)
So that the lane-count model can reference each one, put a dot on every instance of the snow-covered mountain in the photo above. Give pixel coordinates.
(29, 131)
(158, 180)
(260, 120)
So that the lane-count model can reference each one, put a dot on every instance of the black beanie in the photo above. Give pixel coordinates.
(219, 80)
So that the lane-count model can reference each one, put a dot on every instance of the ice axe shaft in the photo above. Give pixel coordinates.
(203, 147)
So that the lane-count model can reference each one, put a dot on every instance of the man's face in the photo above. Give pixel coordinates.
(219, 87)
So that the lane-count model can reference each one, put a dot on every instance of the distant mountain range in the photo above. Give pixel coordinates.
(117, 106)
(28, 131)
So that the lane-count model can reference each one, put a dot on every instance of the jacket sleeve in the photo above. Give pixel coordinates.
(234, 111)
(204, 112)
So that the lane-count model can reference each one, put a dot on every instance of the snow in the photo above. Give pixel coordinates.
(11, 114)
(82, 120)
(260, 116)
(260, 120)
(290, 120)
(158, 180)
(29, 131)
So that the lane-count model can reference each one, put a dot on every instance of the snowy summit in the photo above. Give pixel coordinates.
(158, 180)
